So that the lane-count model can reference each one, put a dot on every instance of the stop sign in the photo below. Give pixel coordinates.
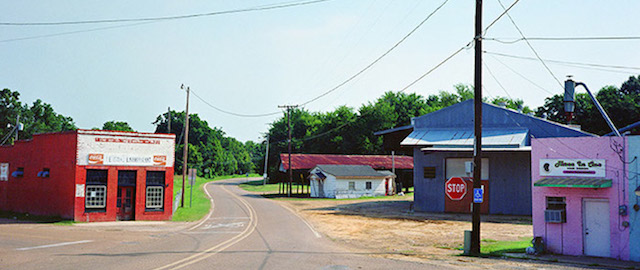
(455, 188)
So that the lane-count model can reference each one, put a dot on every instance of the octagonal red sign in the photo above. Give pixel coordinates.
(455, 188)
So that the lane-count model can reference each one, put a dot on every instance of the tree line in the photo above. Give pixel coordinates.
(349, 131)
(344, 130)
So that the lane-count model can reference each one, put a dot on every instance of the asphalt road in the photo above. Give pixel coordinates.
(244, 231)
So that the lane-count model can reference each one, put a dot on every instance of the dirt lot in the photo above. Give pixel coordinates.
(390, 228)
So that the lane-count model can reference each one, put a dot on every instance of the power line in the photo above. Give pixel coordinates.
(166, 18)
(562, 39)
(564, 62)
(435, 67)
(496, 79)
(468, 46)
(233, 113)
(522, 76)
(499, 17)
(72, 32)
(531, 46)
(377, 59)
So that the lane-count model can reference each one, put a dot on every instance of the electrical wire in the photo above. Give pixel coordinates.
(522, 76)
(468, 46)
(531, 46)
(496, 79)
(232, 113)
(561, 39)
(166, 18)
(377, 59)
(564, 62)
(499, 17)
(72, 32)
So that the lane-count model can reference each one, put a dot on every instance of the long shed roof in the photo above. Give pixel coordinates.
(351, 171)
(378, 162)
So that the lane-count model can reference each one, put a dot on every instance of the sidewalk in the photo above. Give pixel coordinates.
(579, 260)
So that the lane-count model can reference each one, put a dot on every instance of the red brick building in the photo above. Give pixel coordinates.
(89, 175)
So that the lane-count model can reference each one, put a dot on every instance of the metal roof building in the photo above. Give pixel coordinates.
(442, 143)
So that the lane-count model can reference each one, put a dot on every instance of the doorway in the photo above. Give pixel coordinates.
(126, 195)
(595, 230)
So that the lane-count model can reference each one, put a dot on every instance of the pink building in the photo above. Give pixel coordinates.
(581, 194)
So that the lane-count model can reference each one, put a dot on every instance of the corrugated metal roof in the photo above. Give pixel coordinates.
(575, 182)
(463, 138)
(378, 162)
(350, 171)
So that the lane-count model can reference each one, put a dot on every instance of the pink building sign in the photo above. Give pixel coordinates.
(580, 195)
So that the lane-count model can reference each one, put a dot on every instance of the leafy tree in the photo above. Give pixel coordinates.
(40, 117)
(10, 107)
(621, 104)
(117, 126)
(209, 148)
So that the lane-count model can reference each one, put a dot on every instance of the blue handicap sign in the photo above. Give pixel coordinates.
(477, 195)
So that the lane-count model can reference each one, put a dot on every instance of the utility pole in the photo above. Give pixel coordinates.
(289, 107)
(17, 127)
(186, 145)
(477, 122)
(266, 158)
(169, 121)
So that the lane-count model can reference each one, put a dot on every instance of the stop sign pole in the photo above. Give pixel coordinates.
(477, 123)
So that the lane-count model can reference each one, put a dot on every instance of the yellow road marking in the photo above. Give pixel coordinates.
(253, 222)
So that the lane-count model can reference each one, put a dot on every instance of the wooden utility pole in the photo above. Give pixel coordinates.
(477, 145)
(289, 107)
(186, 145)
(266, 163)
(169, 121)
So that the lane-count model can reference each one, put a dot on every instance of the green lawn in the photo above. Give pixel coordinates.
(200, 204)
(256, 186)
(497, 248)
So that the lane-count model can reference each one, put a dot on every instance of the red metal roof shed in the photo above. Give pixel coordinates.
(378, 162)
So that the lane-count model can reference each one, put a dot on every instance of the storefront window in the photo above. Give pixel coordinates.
(96, 191)
(155, 191)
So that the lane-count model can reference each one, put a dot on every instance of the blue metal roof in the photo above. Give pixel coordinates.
(463, 138)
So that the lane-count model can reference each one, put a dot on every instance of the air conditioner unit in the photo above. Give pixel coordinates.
(555, 216)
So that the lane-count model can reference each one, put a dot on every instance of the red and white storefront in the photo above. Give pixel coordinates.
(90, 175)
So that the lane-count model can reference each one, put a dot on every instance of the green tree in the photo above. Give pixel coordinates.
(621, 104)
(39, 117)
(117, 126)
(209, 148)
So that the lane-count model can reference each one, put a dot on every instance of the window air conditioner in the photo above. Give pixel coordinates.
(555, 216)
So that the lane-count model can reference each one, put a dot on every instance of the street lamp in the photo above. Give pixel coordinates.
(638, 191)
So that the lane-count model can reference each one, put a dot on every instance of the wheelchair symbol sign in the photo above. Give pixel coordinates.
(477, 195)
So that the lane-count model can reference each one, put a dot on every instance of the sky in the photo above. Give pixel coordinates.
(251, 62)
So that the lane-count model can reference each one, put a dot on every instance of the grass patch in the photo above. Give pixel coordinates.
(497, 248)
(200, 204)
(257, 186)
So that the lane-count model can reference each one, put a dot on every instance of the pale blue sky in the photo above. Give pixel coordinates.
(251, 62)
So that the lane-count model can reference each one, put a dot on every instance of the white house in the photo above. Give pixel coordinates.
(349, 181)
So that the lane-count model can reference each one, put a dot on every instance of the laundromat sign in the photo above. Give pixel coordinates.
(129, 160)
(573, 167)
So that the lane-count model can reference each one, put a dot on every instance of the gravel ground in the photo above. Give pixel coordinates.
(389, 228)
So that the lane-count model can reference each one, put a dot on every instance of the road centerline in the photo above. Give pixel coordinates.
(55, 245)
